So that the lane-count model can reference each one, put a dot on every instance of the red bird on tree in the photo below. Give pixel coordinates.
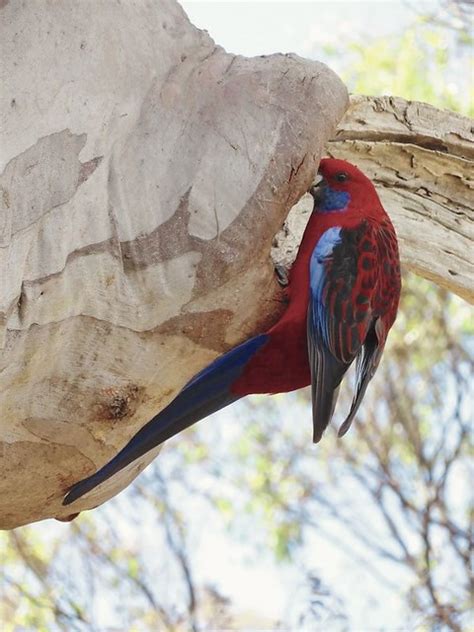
(343, 292)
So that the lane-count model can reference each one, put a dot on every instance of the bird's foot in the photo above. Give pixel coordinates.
(282, 274)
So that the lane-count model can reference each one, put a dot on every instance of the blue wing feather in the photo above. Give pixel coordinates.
(326, 370)
(339, 330)
(322, 252)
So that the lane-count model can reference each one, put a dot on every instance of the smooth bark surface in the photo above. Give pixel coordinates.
(144, 173)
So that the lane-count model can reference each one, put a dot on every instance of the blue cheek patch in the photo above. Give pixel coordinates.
(333, 200)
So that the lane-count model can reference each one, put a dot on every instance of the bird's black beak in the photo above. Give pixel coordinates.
(317, 188)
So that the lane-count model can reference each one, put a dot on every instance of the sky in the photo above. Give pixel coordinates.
(264, 27)
(247, 572)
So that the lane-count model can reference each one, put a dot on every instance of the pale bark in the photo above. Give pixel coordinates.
(144, 172)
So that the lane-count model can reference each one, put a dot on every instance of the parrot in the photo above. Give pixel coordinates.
(342, 299)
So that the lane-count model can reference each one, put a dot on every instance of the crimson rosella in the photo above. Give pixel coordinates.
(343, 294)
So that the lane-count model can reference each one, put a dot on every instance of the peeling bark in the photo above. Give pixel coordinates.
(421, 161)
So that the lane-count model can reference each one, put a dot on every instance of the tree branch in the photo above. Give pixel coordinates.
(421, 160)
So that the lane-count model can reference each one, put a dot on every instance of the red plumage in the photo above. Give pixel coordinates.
(356, 301)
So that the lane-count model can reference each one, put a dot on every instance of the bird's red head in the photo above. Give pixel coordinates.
(341, 186)
(340, 173)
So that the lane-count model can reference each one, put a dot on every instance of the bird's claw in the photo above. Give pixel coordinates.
(282, 275)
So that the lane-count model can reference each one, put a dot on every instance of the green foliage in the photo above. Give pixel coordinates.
(417, 65)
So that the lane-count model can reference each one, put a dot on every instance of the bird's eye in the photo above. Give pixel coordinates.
(341, 176)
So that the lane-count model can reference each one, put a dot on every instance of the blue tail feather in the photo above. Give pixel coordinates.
(206, 393)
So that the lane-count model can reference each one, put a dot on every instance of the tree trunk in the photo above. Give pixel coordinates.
(144, 173)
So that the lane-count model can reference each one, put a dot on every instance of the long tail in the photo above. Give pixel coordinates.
(207, 392)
